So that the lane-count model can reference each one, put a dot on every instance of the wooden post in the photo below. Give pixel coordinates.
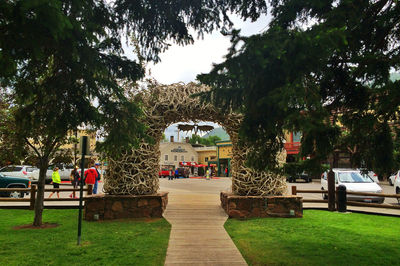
(89, 189)
(331, 190)
(294, 190)
(33, 197)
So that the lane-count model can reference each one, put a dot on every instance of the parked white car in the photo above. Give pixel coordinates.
(397, 187)
(64, 172)
(24, 171)
(395, 176)
(354, 181)
(373, 176)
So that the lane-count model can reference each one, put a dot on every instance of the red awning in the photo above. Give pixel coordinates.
(188, 164)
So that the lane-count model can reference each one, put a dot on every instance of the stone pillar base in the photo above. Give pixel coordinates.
(262, 206)
(111, 207)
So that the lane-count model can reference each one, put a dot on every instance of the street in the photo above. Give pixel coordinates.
(215, 186)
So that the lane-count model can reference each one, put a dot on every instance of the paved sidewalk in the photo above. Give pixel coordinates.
(197, 235)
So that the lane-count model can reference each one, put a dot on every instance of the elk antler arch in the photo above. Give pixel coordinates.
(136, 171)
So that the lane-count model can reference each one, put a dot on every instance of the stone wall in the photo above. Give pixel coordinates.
(110, 207)
(262, 206)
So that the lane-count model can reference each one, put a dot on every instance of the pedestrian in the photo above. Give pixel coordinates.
(170, 174)
(208, 173)
(90, 175)
(55, 180)
(96, 166)
(74, 177)
(226, 171)
(176, 173)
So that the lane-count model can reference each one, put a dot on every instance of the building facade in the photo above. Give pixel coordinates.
(292, 145)
(174, 152)
(224, 156)
(206, 154)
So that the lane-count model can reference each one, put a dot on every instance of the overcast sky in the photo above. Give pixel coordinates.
(184, 63)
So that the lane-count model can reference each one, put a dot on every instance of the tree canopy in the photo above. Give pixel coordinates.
(63, 66)
(13, 149)
(210, 141)
(319, 68)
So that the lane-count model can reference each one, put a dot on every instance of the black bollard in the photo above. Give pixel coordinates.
(342, 198)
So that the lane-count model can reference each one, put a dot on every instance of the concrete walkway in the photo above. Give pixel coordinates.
(197, 235)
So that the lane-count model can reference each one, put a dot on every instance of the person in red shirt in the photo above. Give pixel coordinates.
(90, 175)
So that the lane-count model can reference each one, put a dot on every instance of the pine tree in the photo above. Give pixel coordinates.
(321, 66)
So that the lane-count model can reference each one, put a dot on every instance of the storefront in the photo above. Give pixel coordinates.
(224, 156)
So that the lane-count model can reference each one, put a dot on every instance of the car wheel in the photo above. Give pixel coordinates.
(390, 182)
(16, 194)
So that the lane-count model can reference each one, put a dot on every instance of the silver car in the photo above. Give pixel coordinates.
(23, 171)
(393, 177)
(397, 187)
(354, 181)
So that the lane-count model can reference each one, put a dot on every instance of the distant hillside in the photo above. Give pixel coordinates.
(217, 132)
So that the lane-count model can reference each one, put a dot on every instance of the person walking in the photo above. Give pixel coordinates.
(171, 174)
(208, 173)
(55, 180)
(226, 171)
(74, 177)
(176, 173)
(96, 166)
(90, 175)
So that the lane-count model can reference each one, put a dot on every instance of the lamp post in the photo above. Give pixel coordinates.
(85, 148)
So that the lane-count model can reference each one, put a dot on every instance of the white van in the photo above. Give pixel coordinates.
(354, 181)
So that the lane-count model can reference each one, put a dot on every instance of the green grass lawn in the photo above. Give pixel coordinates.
(319, 238)
(125, 242)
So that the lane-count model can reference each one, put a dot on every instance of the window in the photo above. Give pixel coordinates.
(182, 158)
(8, 169)
(206, 159)
(192, 159)
(166, 157)
(176, 158)
(11, 169)
(353, 177)
(296, 136)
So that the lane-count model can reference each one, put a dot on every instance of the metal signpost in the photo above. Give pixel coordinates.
(84, 148)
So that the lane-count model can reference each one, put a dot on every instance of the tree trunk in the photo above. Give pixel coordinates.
(76, 149)
(44, 163)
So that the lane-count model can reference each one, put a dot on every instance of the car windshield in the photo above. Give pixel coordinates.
(354, 177)
(8, 169)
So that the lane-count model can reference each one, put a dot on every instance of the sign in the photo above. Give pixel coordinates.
(178, 150)
(84, 145)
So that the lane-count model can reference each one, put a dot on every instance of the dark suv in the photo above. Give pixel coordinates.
(13, 182)
(304, 176)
